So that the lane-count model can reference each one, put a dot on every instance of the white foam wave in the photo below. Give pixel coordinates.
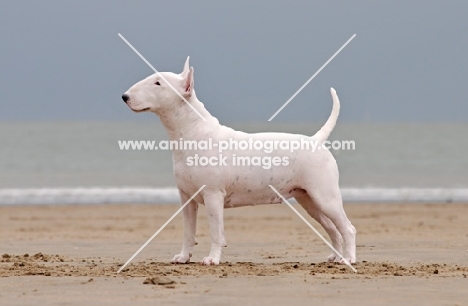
(171, 195)
(88, 196)
(405, 195)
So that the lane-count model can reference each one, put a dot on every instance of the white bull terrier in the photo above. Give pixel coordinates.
(310, 177)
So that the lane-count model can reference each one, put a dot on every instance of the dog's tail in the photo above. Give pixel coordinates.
(328, 127)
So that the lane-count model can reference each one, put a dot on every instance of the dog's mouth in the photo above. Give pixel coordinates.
(141, 110)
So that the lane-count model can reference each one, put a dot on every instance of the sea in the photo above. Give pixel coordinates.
(80, 162)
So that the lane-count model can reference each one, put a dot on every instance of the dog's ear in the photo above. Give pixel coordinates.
(187, 84)
(186, 67)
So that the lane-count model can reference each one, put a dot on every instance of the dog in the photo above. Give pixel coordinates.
(309, 177)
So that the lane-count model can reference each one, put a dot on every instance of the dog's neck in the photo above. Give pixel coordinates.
(182, 121)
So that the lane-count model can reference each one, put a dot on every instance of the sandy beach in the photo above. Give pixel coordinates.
(69, 255)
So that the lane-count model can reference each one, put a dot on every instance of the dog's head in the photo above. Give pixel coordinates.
(162, 90)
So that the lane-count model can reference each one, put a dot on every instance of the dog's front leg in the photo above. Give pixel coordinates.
(214, 204)
(190, 226)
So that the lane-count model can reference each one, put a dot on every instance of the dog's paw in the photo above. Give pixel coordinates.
(333, 258)
(208, 261)
(348, 259)
(181, 258)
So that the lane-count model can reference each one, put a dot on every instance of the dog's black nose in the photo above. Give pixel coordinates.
(125, 97)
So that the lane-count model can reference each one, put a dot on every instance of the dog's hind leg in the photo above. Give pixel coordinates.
(327, 199)
(190, 226)
(335, 236)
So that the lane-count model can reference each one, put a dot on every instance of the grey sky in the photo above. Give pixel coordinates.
(63, 60)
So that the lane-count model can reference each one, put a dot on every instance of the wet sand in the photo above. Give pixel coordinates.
(69, 255)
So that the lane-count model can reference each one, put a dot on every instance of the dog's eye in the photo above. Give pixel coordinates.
(157, 83)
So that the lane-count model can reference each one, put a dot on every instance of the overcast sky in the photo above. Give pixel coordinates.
(63, 60)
